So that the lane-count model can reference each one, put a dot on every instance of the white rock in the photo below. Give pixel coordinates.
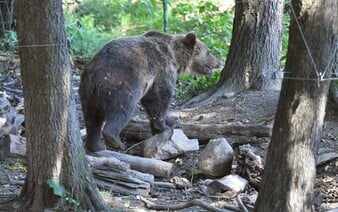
(169, 144)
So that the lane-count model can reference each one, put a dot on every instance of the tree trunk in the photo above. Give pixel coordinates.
(254, 54)
(6, 15)
(54, 147)
(255, 46)
(290, 168)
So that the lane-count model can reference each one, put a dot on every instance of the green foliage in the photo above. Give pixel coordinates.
(194, 173)
(84, 36)
(60, 191)
(204, 18)
(285, 37)
(123, 17)
(117, 18)
(189, 85)
(9, 41)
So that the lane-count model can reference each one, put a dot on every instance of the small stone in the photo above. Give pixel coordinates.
(230, 182)
(228, 95)
(180, 182)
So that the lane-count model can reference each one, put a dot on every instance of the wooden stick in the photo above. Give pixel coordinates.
(164, 185)
(190, 203)
(155, 167)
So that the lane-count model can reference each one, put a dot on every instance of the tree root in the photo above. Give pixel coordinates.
(209, 96)
(190, 203)
(200, 98)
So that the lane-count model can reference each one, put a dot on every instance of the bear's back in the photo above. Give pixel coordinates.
(127, 56)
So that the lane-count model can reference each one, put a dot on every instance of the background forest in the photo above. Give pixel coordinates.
(91, 23)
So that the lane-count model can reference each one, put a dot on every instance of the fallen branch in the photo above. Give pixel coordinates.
(14, 146)
(191, 203)
(140, 130)
(155, 167)
(164, 185)
(241, 204)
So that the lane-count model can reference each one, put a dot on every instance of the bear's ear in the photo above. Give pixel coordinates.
(190, 39)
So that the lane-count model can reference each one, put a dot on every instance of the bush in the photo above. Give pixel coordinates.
(124, 17)
(189, 85)
(84, 36)
(9, 41)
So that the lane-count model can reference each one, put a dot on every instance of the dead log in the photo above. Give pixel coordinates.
(114, 175)
(155, 167)
(15, 146)
(140, 130)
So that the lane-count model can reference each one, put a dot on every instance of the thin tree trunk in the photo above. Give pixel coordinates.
(54, 147)
(290, 169)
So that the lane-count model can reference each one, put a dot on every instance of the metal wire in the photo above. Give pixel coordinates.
(304, 40)
(42, 45)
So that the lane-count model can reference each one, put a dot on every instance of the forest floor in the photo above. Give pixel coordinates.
(250, 107)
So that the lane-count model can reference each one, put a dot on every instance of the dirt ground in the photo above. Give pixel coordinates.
(246, 108)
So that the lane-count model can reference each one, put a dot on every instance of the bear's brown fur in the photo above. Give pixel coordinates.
(137, 69)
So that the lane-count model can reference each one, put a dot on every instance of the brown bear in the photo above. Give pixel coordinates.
(137, 69)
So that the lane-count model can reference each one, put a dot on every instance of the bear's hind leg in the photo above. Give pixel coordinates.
(94, 122)
(115, 122)
(156, 103)
(112, 137)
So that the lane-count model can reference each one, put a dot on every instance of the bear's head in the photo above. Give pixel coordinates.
(193, 56)
(203, 62)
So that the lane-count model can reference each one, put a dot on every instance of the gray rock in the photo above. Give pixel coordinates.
(216, 159)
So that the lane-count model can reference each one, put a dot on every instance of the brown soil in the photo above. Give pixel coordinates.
(247, 108)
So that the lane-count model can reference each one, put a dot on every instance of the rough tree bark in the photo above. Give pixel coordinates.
(54, 147)
(290, 168)
(254, 54)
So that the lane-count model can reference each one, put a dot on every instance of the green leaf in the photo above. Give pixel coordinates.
(150, 4)
(58, 189)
